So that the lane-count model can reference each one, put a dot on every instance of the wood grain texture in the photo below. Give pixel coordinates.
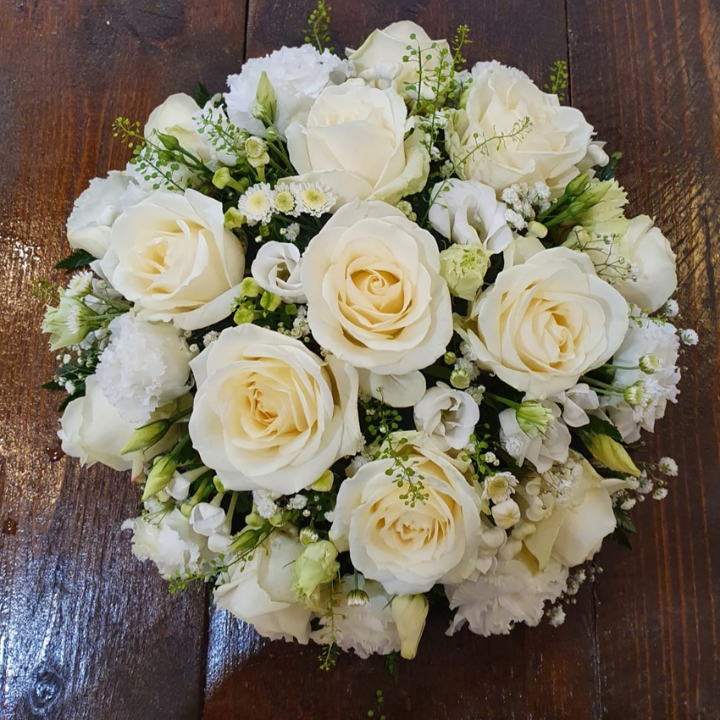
(86, 631)
(647, 75)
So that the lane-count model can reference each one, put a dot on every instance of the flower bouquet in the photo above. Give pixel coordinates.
(372, 334)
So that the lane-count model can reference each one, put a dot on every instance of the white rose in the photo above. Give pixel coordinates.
(260, 592)
(172, 256)
(512, 593)
(574, 529)
(168, 540)
(447, 416)
(145, 366)
(365, 628)
(468, 213)
(176, 117)
(269, 414)
(375, 296)
(297, 75)
(97, 208)
(354, 143)
(381, 59)
(276, 268)
(409, 549)
(499, 99)
(546, 322)
(93, 431)
(652, 265)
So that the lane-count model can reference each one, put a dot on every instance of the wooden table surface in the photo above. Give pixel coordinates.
(87, 632)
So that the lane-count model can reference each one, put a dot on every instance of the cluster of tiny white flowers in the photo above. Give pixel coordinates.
(671, 309)
(265, 504)
(556, 615)
(525, 202)
(297, 502)
(291, 232)
(668, 466)
(210, 338)
(688, 336)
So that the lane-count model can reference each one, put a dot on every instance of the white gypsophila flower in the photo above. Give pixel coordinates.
(297, 502)
(264, 501)
(277, 268)
(628, 504)
(644, 337)
(167, 539)
(689, 337)
(210, 338)
(145, 366)
(556, 615)
(292, 232)
(671, 309)
(447, 416)
(314, 198)
(257, 204)
(512, 593)
(366, 628)
(660, 493)
(80, 284)
(498, 487)
(668, 466)
(297, 75)
(542, 450)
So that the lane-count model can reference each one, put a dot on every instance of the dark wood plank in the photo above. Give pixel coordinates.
(86, 631)
(543, 673)
(648, 75)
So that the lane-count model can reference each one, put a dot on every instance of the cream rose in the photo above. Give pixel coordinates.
(499, 100)
(176, 117)
(269, 414)
(260, 592)
(172, 256)
(409, 549)
(653, 278)
(384, 60)
(354, 142)
(375, 296)
(546, 322)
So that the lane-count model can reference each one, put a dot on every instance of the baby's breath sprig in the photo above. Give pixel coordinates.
(477, 452)
(558, 79)
(317, 32)
(459, 41)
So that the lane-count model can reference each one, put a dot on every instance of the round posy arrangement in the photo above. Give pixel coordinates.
(372, 334)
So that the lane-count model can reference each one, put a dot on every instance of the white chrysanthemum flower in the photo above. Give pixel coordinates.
(314, 199)
(257, 204)
(286, 204)
(668, 466)
(297, 75)
(145, 366)
(80, 284)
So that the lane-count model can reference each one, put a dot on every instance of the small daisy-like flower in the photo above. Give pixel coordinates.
(357, 598)
(285, 202)
(80, 284)
(257, 204)
(671, 309)
(308, 536)
(499, 487)
(689, 337)
(314, 199)
(668, 467)
(649, 364)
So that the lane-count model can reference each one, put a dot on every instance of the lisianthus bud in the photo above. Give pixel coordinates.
(222, 179)
(159, 476)
(463, 268)
(234, 218)
(265, 101)
(450, 358)
(245, 540)
(146, 436)
(409, 613)
(270, 302)
(250, 288)
(316, 565)
(610, 453)
(534, 418)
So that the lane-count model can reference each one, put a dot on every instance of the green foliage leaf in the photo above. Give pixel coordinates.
(79, 259)
(601, 427)
(202, 94)
(610, 170)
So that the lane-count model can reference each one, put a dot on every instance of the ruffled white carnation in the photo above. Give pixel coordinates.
(494, 602)
(146, 365)
(297, 75)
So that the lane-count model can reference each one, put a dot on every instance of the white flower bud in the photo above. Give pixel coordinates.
(409, 613)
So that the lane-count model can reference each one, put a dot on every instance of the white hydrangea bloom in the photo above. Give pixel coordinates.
(511, 594)
(298, 75)
(145, 366)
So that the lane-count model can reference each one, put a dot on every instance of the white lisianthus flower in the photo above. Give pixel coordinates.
(145, 366)
(177, 117)
(259, 591)
(366, 628)
(576, 402)
(384, 60)
(395, 390)
(207, 519)
(269, 414)
(276, 268)
(510, 594)
(653, 278)
(375, 296)
(409, 549)
(97, 208)
(167, 539)
(93, 430)
(498, 101)
(644, 337)
(582, 516)
(541, 449)
(447, 416)
(468, 213)
(297, 75)
(547, 321)
(172, 256)
(353, 141)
